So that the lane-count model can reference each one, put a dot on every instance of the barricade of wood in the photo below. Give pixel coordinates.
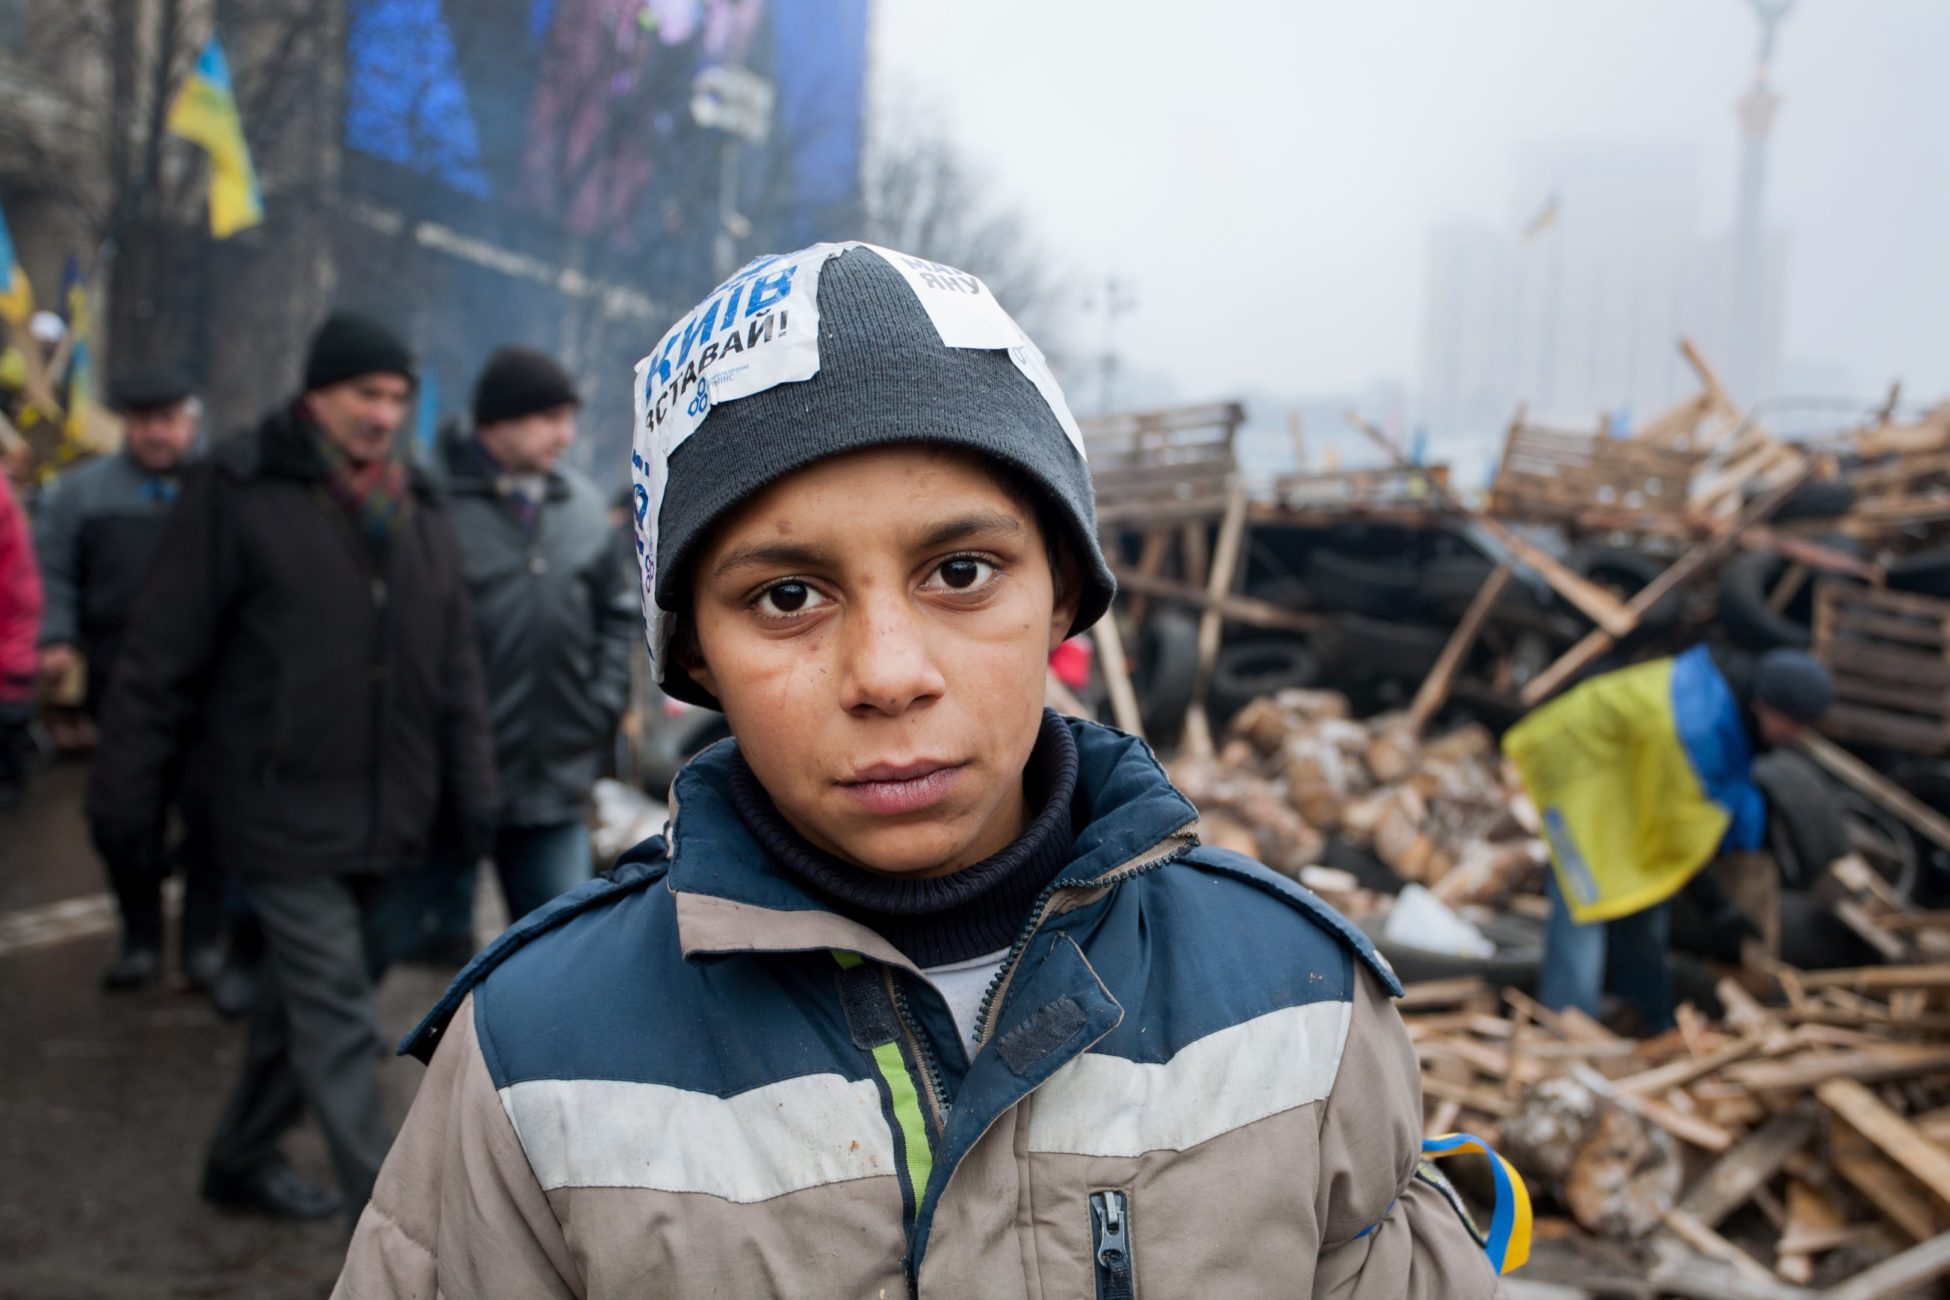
(1794, 1140)
(1589, 480)
(1889, 652)
(1166, 466)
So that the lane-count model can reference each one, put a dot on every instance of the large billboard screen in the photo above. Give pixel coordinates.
(575, 114)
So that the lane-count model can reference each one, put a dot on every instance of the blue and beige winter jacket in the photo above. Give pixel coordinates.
(691, 1078)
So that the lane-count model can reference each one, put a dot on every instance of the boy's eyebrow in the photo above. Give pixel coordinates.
(800, 555)
(771, 555)
(954, 530)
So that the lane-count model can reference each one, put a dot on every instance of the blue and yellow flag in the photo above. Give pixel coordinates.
(205, 113)
(81, 366)
(16, 294)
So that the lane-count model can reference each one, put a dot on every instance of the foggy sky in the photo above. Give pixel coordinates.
(1267, 172)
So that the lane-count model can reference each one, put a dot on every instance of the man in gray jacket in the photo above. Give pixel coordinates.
(556, 623)
(96, 532)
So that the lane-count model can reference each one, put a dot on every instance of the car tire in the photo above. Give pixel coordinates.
(1746, 584)
(1347, 584)
(1927, 573)
(1822, 499)
(1164, 671)
(1245, 671)
(1806, 829)
(1626, 573)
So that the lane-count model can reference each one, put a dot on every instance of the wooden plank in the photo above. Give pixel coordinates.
(1250, 610)
(1735, 1176)
(1425, 994)
(1486, 1100)
(1712, 1245)
(1574, 660)
(1881, 1183)
(1117, 675)
(1434, 691)
(1812, 554)
(1858, 775)
(1687, 1128)
(1224, 575)
(1896, 1136)
(1869, 1065)
(1867, 726)
(1678, 1074)
(1061, 698)
(1900, 1275)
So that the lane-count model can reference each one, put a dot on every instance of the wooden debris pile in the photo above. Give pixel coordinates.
(1296, 768)
(1785, 1145)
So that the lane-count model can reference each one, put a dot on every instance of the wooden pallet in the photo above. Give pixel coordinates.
(1890, 654)
(1360, 490)
(1167, 466)
(1563, 476)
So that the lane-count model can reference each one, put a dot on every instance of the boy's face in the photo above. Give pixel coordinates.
(877, 627)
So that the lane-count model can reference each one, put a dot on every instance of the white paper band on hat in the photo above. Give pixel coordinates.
(760, 329)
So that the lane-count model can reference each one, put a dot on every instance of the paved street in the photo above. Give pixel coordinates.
(105, 1102)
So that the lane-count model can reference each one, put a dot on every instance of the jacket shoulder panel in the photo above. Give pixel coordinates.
(640, 868)
(239, 456)
(1239, 867)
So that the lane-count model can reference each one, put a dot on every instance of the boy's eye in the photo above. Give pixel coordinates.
(789, 598)
(963, 573)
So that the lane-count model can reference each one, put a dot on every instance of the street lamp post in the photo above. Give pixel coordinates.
(1747, 352)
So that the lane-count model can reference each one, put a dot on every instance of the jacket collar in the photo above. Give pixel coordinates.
(467, 471)
(731, 897)
(285, 450)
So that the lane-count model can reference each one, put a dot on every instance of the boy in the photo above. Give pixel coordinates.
(925, 991)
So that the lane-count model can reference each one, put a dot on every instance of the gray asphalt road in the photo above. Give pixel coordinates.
(106, 1101)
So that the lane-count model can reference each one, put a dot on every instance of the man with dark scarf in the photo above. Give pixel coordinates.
(305, 640)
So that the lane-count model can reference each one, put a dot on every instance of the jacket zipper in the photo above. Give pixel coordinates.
(1169, 849)
(932, 1090)
(1110, 1245)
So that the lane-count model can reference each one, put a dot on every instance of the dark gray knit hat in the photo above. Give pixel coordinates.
(1795, 683)
(884, 377)
(521, 381)
(348, 345)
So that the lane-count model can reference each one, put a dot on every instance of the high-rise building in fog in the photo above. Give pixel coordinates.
(1573, 302)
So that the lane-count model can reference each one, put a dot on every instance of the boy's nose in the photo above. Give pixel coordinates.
(889, 666)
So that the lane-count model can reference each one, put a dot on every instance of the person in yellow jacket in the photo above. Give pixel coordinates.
(1641, 777)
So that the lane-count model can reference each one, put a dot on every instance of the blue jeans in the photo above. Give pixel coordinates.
(533, 864)
(1627, 956)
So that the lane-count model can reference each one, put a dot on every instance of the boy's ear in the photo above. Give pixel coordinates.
(1069, 594)
(687, 657)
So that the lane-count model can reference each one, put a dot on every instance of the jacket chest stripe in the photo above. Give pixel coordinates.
(783, 1137)
(906, 1100)
(1101, 1105)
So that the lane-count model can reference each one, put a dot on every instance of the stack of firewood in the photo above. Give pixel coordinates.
(1801, 1139)
(1297, 768)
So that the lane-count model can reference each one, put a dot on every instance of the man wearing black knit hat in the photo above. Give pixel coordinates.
(555, 619)
(304, 640)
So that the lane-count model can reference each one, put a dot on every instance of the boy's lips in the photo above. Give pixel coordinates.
(891, 789)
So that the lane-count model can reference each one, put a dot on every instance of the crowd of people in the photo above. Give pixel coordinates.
(330, 685)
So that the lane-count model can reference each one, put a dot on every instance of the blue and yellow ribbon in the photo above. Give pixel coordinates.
(1508, 1242)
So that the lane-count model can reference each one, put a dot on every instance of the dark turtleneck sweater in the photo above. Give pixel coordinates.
(934, 922)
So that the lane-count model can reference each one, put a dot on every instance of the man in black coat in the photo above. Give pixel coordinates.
(96, 531)
(307, 619)
(556, 620)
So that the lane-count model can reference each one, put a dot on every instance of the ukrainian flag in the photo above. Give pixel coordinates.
(205, 113)
(16, 295)
(81, 369)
